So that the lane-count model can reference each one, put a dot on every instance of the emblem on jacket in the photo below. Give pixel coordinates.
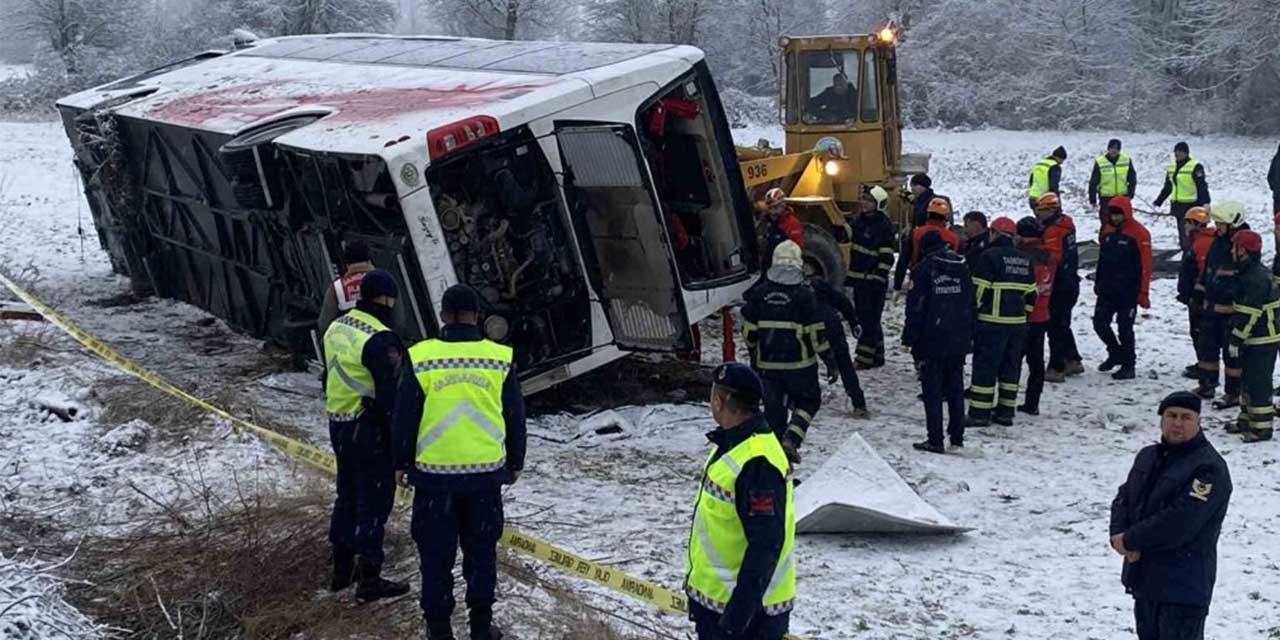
(1200, 490)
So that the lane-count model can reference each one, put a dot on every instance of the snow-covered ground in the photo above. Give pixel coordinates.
(14, 71)
(1037, 567)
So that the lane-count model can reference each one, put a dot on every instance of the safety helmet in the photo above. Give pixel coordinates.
(940, 207)
(788, 254)
(1228, 213)
(1248, 240)
(881, 197)
(1029, 227)
(1198, 214)
(775, 197)
(1004, 225)
(1048, 201)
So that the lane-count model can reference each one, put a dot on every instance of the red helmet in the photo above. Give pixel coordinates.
(1004, 225)
(775, 197)
(1248, 240)
(1048, 201)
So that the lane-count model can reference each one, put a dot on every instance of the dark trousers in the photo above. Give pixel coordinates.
(840, 352)
(1215, 337)
(442, 522)
(1103, 202)
(791, 400)
(942, 381)
(868, 303)
(1257, 364)
(1033, 351)
(1167, 621)
(1120, 349)
(1193, 323)
(762, 627)
(366, 490)
(1179, 211)
(1062, 343)
(997, 369)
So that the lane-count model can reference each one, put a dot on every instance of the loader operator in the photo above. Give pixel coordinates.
(740, 574)
(364, 357)
(785, 336)
(836, 103)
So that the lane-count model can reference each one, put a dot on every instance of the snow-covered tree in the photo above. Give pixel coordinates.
(74, 30)
(500, 19)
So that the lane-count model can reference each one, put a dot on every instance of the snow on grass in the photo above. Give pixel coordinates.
(14, 71)
(32, 605)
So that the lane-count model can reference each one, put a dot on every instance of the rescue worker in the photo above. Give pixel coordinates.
(833, 305)
(459, 437)
(870, 260)
(1273, 181)
(344, 292)
(364, 357)
(1254, 337)
(1122, 284)
(1060, 241)
(783, 224)
(785, 335)
(1029, 242)
(1219, 284)
(1190, 289)
(1184, 186)
(1113, 175)
(1046, 176)
(741, 572)
(938, 329)
(1005, 291)
(976, 237)
(938, 220)
(921, 196)
(1165, 522)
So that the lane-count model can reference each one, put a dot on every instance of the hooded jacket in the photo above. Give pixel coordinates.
(1124, 260)
(1060, 241)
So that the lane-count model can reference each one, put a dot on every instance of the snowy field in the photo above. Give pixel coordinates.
(14, 71)
(1037, 567)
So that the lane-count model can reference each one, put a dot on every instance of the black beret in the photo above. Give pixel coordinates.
(1181, 400)
(378, 283)
(460, 298)
(738, 377)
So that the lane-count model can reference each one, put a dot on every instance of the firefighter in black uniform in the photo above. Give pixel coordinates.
(1005, 284)
(938, 330)
(1219, 283)
(1165, 521)
(833, 306)
(1254, 337)
(870, 260)
(785, 336)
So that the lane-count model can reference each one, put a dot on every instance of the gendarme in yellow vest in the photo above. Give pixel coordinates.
(1040, 177)
(1114, 176)
(462, 429)
(1183, 182)
(718, 543)
(347, 381)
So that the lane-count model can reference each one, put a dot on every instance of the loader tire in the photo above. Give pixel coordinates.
(822, 255)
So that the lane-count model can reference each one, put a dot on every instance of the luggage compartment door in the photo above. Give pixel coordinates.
(619, 226)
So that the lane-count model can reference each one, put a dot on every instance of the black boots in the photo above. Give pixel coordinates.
(372, 586)
(439, 629)
(931, 447)
(344, 568)
(1126, 372)
(481, 619)
(1110, 363)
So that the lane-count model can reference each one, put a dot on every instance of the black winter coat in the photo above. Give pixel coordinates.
(783, 326)
(1219, 277)
(939, 314)
(1119, 274)
(1170, 509)
(1005, 283)
(1254, 292)
(871, 257)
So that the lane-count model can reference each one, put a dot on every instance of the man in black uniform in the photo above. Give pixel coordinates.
(1254, 337)
(758, 604)
(870, 261)
(1165, 521)
(976, 237)
(938, 330)
(365, 357)
(1006, 295)
(832, 306)
(921, 195)
(1185, 186)
(459, 436)
(785, 335)
(1219, 283)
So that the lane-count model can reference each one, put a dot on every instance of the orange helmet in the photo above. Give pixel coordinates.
(1049, 201)
(940, 206)
(1199, 214)
(774, 197)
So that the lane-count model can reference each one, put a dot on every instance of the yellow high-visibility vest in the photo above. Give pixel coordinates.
(1183, 182)
(462, 429)
(1114, 176)
(347, 381)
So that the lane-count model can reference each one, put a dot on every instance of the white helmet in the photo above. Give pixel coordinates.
(1228, 213)
(880, 196)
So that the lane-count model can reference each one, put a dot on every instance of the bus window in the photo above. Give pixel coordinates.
(831, 86)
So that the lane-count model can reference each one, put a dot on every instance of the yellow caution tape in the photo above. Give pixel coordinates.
(664, 599)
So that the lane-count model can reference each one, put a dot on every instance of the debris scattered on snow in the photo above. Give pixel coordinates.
(129, 437)
(58, 404)
(607, 425)
(32, 605)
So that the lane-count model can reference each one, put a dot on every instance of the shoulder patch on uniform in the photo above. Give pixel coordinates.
(761, 503)
(1200, 490)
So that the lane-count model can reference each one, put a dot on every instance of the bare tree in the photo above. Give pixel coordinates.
(500, 19)
(338, 16)
(73, 29)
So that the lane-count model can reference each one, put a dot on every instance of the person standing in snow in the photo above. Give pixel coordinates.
(1220, 285)
(783, 224)
(1184, 187)
(1273, 181)
(1005, 286)
(344, 292)
(1190, 289)
(740, 574)
(1029, 242)
(785, 336)
(870, 260)
(1060, 241)
(921, 197)
(833, 305)
(1122, 283)
(938, 330)
(364, 359)
(1113, 175)
(976, 237)
(1046, 176)
(1165, 522)
(1255, 335)
(459, 437)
